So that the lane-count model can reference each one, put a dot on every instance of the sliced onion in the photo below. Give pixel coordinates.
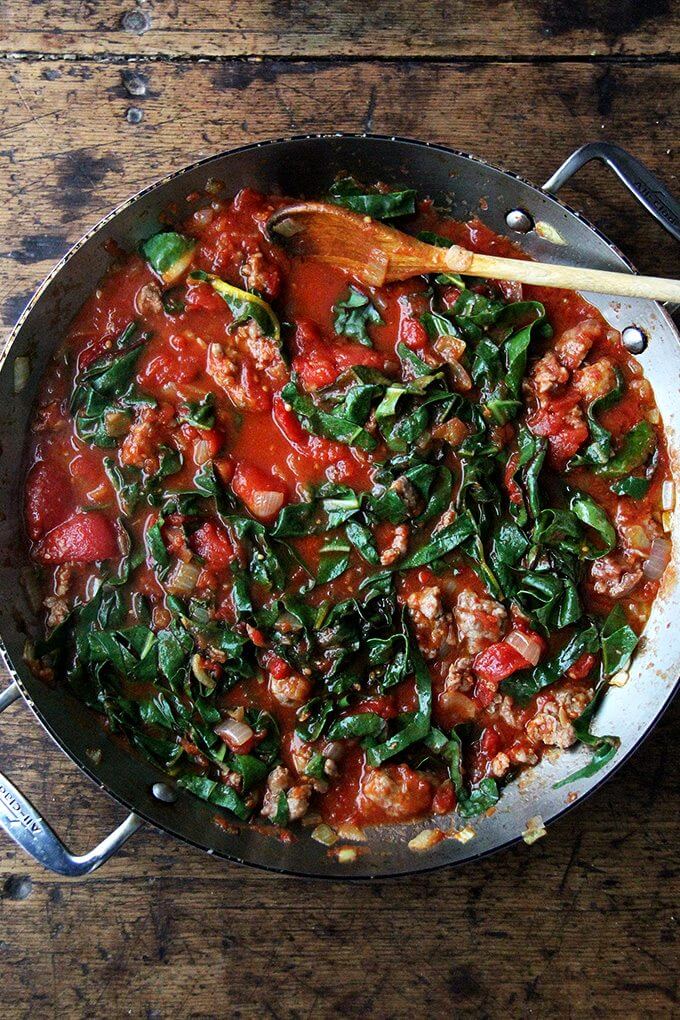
(528, 646)
(668, 495)
(22, 372)
(265, 502)
(183, 577)
(235, 734)
(201, 673)
(201, 452)
(658, 559)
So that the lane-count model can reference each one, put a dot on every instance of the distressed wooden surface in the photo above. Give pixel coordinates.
(69, 152)
(400, 28)
(583, 923)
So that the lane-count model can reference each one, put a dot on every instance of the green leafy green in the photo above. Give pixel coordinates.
(354, 315)
(167, 252)
(378, 205)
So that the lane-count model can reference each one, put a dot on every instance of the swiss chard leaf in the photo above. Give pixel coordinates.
(321, 423)
(378, 205)
(167, 252)
(619, 641)
(638, 446)
(354, 315)
(365, 724)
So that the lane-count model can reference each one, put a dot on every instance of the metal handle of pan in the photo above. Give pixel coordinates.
(641, 182)
(27, 827)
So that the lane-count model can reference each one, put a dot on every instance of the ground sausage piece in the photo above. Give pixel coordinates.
(148, 300)
(298, 801)
(397, 547)
(434, 626)
(573, 345)
(547, 374)
(460, 676)
(249, 356)
(147, 433)
(552, 723)
(615, 575)
(261, 275)
(57, 610)
(297, 796)
(409, 495)
(480, 621)
(593, 381)
(398, 790)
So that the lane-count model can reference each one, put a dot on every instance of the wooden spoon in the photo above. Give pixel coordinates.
(376, 254)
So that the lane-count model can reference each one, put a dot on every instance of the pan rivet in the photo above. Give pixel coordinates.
(634, 339)
(162, 791)
(519, 221)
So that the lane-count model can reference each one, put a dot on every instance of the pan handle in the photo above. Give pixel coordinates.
(641, 182)
(26, 827)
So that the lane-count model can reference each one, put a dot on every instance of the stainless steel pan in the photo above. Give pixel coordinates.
(546, 229)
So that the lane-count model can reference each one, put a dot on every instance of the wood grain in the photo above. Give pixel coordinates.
(291, 28)
(580, 925)
(68, 153)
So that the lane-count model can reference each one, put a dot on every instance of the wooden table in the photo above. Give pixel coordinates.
(98, 99)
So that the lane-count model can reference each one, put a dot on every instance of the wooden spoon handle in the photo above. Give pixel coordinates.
(544, 274)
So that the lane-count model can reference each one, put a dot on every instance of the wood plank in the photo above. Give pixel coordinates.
(542, 28)
(68, 151)
(580, 921)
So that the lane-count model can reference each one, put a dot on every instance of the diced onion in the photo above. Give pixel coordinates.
(667, 520)
(668, 495)
(425, 840)
(658, 559)
(22, 371)
(619, 679)
(451, 348)
(265, 502)
(287, 227)
(117, 424)
(528, 646)
(325, 835)
(349, 831)
(535, 830)
(183, 577)
(346, 855)
(465, 835)
(234, 733)
(453, 432)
